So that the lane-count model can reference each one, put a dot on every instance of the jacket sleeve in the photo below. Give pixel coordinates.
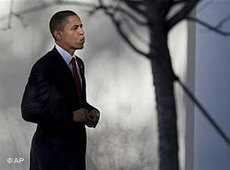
(35, 106)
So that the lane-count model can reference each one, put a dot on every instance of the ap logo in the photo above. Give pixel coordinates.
(14, 160)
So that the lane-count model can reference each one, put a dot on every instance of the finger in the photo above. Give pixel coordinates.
(93, 122)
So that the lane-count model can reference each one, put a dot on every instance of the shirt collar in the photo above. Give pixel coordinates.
(65, 55)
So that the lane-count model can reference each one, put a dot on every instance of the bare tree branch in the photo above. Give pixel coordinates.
(190, 4)
(136, 6)
(133, 31)
(212, 28)
(42, 6)
(120, 31)
(81, 4)
(125, 37)
(133, 17)
(116, 6)
(122, 11)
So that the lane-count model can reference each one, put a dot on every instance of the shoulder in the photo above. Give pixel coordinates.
(46, 61)
(45, 67)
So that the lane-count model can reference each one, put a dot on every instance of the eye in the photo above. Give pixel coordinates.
(75, 27)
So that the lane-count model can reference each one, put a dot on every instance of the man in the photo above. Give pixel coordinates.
(55, 99)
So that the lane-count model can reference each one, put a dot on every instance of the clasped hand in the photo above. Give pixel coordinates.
(90, 118)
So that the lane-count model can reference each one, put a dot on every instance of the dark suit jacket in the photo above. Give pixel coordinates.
(49, 100)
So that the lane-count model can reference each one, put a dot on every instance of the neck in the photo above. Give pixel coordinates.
(69, 50)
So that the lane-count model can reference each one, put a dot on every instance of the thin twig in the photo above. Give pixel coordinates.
(210, 27)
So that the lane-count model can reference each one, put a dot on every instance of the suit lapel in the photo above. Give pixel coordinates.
(81, 68)
(64, 71)
(82, 72)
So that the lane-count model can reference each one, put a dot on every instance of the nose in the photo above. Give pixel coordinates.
(81, 31)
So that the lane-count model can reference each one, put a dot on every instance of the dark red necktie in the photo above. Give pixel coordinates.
(76, 78)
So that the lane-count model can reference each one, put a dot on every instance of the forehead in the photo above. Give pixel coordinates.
(73, 20)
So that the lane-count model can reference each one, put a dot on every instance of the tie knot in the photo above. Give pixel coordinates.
(73, 61)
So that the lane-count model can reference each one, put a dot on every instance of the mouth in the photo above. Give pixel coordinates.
(82, 40)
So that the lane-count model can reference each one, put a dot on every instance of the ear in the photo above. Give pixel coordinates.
(57, 34)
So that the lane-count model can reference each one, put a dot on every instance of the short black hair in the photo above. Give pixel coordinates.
(59, 20)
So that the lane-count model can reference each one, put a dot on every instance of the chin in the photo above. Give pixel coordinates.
(79, 47)
(82, 46)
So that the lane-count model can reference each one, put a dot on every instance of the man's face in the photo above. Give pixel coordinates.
(72, 35)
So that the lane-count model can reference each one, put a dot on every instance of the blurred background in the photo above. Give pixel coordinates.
(119, 83)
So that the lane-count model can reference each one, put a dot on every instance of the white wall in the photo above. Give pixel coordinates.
(212, 88)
